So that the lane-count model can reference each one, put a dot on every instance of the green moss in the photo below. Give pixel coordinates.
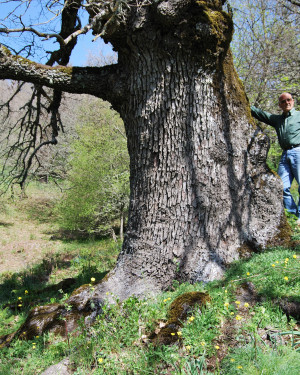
(216, 4)
(178, 312)
(222, 26)
(284, 235)
(6, 51)
(202, 4)
(235, 87)
(22, 60)
(183, 304)
(64, 69)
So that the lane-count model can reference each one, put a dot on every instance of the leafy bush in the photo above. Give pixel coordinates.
(98, 181)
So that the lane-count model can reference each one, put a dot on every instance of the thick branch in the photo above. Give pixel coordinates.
(103, 82)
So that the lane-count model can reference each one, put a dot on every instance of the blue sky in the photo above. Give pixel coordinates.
(85, 45)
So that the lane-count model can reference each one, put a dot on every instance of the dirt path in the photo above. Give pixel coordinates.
(23, 242)
(22, 245)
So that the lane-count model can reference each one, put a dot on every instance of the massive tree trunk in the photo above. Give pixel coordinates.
(201, 193)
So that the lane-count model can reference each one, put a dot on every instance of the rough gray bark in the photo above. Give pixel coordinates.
(200, 188)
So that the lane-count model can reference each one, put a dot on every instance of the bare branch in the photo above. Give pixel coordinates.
(32, 135)
(32, 30)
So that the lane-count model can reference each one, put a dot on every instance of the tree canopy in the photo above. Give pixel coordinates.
(265, 45)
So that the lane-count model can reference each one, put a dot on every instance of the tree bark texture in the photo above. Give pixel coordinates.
(201, 192)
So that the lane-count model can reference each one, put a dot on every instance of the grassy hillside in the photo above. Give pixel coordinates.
(246, 326)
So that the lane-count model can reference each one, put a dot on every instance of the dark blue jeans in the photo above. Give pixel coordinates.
(288, 169)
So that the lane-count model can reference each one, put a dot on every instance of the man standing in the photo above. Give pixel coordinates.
(287, 126)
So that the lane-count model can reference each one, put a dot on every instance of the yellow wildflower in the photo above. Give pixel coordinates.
(20, 305)
(33, 346)
(100, 360)
(93, 279)
(225, 290)
(202, 343)
(217, 347)
(232, 360)
(248, 273)
(169, 298)
(226, 304)
(238, 317)
(19, 298)
(172, 334)
(179, 333)
(246, 304)
(191, 318)
(188, 347)
(276, 262)
(26, 292)
(37, 337)
(239, 367)
(286, 260)
(237, 303)
(165, 300)
(273, 265)
(286, 278)
(232, 313)
(295, 256)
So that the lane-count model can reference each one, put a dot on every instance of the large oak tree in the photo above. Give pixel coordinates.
(201, 193)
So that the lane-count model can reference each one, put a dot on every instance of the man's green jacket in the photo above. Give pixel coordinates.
(287, 126)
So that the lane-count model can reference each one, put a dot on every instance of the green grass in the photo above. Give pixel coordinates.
(226, 337)
(275, 273)
(256, 361)
(117, 343)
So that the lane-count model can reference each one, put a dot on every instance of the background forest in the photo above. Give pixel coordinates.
(78, 192)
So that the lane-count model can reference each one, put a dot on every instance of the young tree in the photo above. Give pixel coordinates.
(201, 193)
(98, 179)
